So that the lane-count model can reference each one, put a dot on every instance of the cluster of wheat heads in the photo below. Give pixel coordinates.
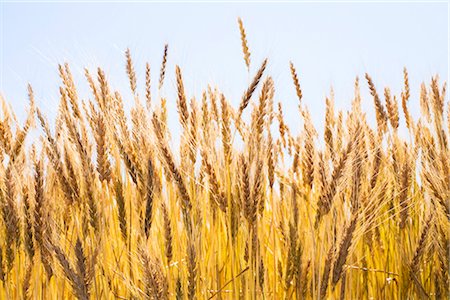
(101, 206)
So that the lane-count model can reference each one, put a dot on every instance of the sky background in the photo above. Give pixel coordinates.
(329, 43)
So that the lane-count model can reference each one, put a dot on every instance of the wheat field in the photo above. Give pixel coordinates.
(101, 205)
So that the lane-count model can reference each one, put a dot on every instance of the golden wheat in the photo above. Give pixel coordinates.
(102, 207)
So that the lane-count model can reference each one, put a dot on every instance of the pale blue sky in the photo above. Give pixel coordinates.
(330, 44)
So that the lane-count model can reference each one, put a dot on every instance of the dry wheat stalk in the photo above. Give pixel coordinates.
(131, 72)
(181, 100)
(162, 72)
(148, 92)
(379, 109)
(296, 82)
(149, 197)
(244, 42)
(344, 250)
(252, 87)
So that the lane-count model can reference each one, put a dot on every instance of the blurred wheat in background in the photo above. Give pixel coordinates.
(100, 204)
